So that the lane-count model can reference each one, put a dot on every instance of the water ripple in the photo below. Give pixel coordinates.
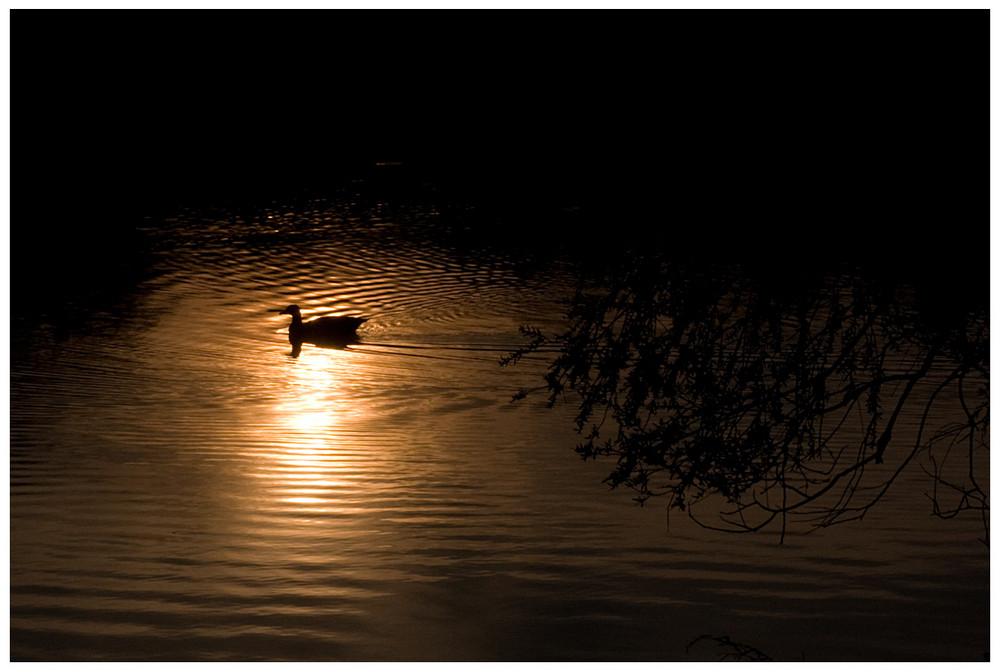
(184, 488)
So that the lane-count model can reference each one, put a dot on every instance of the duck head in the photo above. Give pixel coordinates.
(292, 310)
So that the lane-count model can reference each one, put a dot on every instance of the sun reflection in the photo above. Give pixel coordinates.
(307, 420)
(312, 465)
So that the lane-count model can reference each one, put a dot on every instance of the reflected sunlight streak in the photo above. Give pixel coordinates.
(307, 469)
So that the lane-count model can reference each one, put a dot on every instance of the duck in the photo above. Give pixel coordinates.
(333, 331)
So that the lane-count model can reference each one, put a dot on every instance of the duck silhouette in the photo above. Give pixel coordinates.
(334, 332)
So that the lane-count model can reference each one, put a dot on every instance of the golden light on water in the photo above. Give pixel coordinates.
(310, 468)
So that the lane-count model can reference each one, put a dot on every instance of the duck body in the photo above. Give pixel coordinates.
(330, 331)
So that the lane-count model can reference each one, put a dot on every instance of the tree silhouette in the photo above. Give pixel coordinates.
(732, 651)
(785, 393)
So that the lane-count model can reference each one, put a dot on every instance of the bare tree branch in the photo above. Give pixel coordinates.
(783, 400)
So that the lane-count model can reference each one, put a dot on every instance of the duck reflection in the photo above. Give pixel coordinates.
(325, 332)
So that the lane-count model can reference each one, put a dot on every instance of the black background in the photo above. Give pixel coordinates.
(769, 129)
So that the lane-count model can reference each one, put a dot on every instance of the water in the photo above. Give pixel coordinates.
(184, 488)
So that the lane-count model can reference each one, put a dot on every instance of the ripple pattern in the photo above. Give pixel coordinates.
(183, 488)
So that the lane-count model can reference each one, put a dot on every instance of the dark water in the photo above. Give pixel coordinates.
(183, 488)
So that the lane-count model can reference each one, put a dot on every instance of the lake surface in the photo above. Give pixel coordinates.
(183, 488)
